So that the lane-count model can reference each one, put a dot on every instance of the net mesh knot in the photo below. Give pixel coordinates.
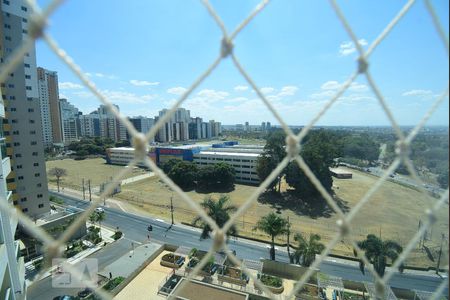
(292, 146)
(226, 47)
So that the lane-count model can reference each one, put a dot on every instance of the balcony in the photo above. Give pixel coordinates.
(6, 167)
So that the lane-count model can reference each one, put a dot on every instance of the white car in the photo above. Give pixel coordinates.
(100, 210)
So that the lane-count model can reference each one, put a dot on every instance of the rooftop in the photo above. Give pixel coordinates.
(228, 153)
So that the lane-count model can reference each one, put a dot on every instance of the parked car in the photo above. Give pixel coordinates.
(84, 293)
(100, 210)
(150, 228)
(64, 297)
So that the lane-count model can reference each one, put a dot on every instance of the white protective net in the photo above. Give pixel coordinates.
(139, 141)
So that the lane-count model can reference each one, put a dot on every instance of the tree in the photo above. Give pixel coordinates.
(206, 176)
(318, 151)
(265, 164)
(273, 154)
(58, 173)
(307, 250)
(378, 251)
(184, 174)
(224, 174)
(274, 226)
(97, 217)
(168, 165)
(218, 211)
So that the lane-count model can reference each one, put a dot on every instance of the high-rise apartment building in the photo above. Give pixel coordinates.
(52, 129)
(12, 270)
(23, 133)
(90, 125)
(70, 121)
(142, 124)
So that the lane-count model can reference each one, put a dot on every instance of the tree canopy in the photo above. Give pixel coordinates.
(378, 251)
(272, 225)
(219, 210)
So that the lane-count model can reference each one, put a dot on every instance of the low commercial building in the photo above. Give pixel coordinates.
(341, 174)
(244, 163)
(124, 155)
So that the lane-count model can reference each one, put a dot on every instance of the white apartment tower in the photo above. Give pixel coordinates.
(20, 137)
(21, 127)
(69, 120)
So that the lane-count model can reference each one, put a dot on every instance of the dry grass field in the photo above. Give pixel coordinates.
(94, 169)
(393, 212)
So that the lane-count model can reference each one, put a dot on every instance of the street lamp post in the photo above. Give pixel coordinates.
(171, 208)
(440, 253)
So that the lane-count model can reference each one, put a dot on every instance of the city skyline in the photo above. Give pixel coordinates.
(158, 62)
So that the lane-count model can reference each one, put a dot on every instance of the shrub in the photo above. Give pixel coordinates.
(113, 283)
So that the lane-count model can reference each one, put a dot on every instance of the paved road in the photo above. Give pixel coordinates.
(135, 230)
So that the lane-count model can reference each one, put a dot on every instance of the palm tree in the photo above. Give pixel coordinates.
(100, 218)
(307, 250)
(272, 225)
(378, 251)
(218, 211)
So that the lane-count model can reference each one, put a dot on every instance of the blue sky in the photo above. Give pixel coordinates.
(143, 54)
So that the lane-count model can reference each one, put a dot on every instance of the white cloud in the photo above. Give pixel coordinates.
(267, 90)
(241, 88)
(69, 86)
(126, 97)
(334, 85)
(330, 85)
(237, 100)
(358, 87)
(177, 90)
(417, 93)
(288, 90)
(348, 47)
(143, 82)
(100, 75)
(212, 95)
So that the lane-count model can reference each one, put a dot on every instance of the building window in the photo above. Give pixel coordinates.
(16, 144)
(12, 97)
(24, 199)
(18, 155)
(25, 210)
(7, 26)
(8, 38)
(6, 2)
(28, 88)
(33, 132)
(25, 31)
(30, 98)
(13, 109)
(19, 166)
(36, 164)
(34, 154)
(33, 143)
(40, 196)
(39, 185)
(31, 121)
(14, 121)
(30, 110)
(27, 76)
(24, 20)
(15, 132)
(15, 202)
(27, 65)
(41, 205)
(11, 85)
(37, 174)
(24, 8)
(20, 177)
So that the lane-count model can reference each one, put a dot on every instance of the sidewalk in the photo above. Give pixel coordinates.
(106, 234)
